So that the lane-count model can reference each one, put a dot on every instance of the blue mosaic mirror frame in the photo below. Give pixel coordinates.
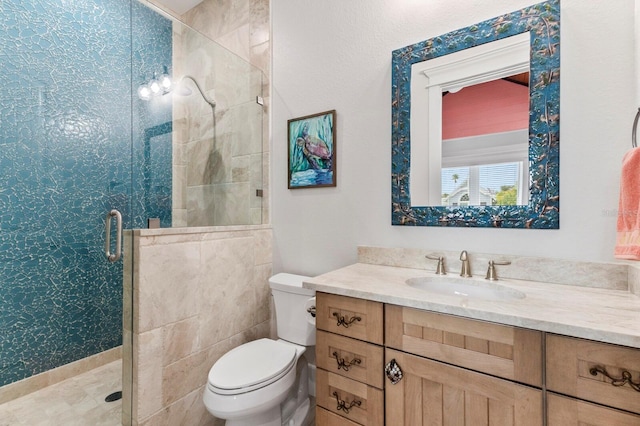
(542, 212)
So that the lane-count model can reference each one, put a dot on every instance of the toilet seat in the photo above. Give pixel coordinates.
(251, 366)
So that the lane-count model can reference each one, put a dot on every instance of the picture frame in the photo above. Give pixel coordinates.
(312, 150)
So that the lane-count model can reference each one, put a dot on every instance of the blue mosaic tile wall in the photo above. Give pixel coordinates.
(66, 123)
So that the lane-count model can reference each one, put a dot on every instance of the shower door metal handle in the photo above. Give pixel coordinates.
(113, 257)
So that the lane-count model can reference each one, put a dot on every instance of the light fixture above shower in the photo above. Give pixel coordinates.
(166, 84)
(157, 86)
(163, 84)
(144, 92)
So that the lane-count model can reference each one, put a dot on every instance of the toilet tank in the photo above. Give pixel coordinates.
(294, 324)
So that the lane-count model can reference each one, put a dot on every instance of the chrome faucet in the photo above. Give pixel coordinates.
(465, 270)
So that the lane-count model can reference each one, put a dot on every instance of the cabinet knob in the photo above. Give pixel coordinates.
(393, 371)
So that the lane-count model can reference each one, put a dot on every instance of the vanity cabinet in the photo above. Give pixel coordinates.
(592, 375)
(349, 360)
(463, 371)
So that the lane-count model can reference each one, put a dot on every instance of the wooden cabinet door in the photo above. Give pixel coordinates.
(432, 393)
(565, 411)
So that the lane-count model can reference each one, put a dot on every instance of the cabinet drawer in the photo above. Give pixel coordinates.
(571, 360)
(351, 358)
(500, 350)
(565, 411)
(357, 318)
(435, 393)
(348, 398)
(327, 418)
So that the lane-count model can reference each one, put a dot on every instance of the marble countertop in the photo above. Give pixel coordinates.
(603, 315)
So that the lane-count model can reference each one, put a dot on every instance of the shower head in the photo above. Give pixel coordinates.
(183, 90)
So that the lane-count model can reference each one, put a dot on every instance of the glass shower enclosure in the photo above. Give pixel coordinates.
(89, 125)
(65, 163)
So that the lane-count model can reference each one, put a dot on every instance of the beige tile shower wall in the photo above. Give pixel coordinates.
(197, 294)
(220, 186)
(215, 175)
(243, 28)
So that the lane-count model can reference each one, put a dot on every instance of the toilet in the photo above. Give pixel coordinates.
(269, 382)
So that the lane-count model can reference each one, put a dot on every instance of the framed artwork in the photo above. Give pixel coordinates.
(312, 150)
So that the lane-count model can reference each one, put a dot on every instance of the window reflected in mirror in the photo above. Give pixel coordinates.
(485, 143)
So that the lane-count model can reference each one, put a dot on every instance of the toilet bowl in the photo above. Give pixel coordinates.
(252, 379)
(266, 382)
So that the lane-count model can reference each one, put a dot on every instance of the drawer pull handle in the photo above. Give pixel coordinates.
(345, 365)
(345, 406)
(344, 322)
(626, 377)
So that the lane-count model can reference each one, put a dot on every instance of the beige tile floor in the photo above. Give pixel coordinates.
(76, 401)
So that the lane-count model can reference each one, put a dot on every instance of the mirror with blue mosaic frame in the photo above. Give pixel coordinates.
(542, 24)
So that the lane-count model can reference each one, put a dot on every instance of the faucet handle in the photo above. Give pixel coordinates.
(491, 272)
(440, 269)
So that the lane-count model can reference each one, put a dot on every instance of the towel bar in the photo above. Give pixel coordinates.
(635, 129)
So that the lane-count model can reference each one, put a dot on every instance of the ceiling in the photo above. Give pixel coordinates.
(179, 6)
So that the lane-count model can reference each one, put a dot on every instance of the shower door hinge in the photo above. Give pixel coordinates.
(260, 100)
(259, 193)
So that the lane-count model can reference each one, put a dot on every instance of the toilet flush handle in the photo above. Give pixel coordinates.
(312, 311)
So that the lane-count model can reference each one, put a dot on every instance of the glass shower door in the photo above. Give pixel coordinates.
(65, 163)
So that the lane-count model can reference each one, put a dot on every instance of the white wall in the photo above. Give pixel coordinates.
(637, 48)
(336, 54)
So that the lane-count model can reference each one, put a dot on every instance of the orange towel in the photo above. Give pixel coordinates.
(628, 240)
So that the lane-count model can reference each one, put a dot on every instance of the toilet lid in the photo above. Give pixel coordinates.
(251, 366)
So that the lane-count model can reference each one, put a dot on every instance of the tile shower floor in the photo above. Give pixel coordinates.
(76, 401)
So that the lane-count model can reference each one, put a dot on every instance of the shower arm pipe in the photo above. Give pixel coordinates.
(205, 97)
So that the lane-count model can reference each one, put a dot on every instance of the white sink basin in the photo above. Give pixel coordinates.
(465, 287)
